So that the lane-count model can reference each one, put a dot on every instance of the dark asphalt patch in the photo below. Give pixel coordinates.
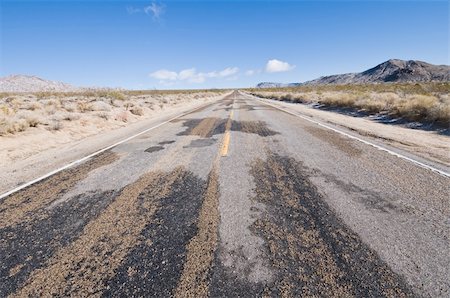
(312, 250)
(226, 102)
(247, 107)
(27, 246)
(206, 127)
(166, 142)
(209, 127)
(154, 149)
(154, 266)
(227, 109)
(201, 143)
(255, 127)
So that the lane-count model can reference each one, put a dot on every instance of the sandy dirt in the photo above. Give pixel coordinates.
(35, 151)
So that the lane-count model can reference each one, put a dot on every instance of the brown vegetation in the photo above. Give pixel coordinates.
(425, 102)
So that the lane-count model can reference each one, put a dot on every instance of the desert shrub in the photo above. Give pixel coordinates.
(44, 94)
(100, 106)
(128, 105)
(122, 116)
(70, 106)
(112, 94)
(338, 99)
(50, 109)
(137, 111)
(419, 107)
(117, 103)
(12, 125)
(286, 97)
(30, 118)
(54, 126)
(71, 116)
(84, 107)
(103, 115)
(6, 110)
(32, 106)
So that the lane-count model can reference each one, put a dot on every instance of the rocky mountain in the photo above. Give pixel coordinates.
(393, 70)
(276, 85)
(25, 83)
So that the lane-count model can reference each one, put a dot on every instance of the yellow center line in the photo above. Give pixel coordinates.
(227, 136)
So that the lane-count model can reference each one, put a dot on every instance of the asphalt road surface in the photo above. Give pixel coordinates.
(234, 199)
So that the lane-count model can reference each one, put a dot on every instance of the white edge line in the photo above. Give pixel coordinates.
(95, 153)
(423, 165)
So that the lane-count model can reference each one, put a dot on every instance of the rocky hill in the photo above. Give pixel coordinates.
(25, 83)
(394, 70)
(275, 85)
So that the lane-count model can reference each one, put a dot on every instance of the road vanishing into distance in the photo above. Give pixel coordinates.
(236, 198)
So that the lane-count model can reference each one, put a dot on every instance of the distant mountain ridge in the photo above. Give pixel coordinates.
(394, 70)
(26, 83)
(276, 85)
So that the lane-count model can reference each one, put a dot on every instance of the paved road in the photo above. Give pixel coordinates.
(234, 199)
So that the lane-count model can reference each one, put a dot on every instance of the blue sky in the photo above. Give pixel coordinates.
(204, 44)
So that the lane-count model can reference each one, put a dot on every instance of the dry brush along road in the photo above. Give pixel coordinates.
(234, 199)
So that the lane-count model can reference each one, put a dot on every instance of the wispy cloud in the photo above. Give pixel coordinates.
(191, 75)
(276, 65)
(252, 72)
(155, 10)
(133, 10)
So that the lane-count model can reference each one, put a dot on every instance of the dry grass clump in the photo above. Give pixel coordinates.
(100, 106)
(415, 102)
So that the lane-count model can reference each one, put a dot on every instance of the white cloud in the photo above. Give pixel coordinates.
(164, 74)
(229, 71)
(275, 65)
(187, 74)
(192, 76)
(156, 10)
